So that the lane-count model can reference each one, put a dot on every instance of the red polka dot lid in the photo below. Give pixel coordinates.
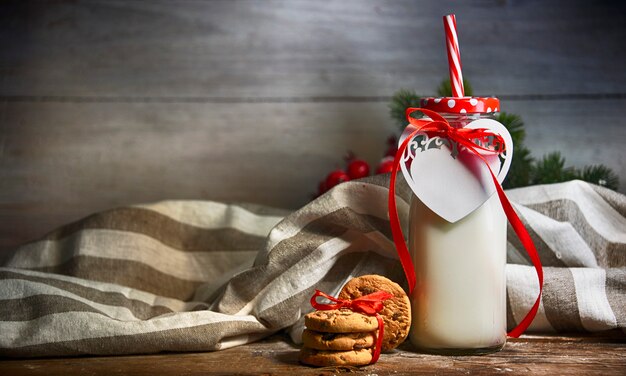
(462, 105)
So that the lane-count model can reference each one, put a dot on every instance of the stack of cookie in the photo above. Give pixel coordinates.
(342, 337)
(338, 338)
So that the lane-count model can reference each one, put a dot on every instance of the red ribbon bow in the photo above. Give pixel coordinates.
(369, 304)
(439, 126)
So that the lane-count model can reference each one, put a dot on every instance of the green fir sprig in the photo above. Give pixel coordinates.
(600, 175)
(402, 100)
(551, 169)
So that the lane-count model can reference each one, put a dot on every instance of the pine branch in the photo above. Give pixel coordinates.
(600, 175)
(400, 101)
(551, 169)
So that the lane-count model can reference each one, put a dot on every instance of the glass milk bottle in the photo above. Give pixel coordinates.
(459, 300)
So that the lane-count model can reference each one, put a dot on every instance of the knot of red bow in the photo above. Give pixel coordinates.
(369, 304)
(439, 126)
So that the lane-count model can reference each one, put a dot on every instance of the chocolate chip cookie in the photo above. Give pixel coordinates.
(337, 341)
(396, 312)
(335, 358)
(340, 321)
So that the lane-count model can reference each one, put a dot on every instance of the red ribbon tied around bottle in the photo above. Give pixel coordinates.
(369, 304)
(438, 126)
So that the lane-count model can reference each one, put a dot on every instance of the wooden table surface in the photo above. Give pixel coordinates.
(603, 354)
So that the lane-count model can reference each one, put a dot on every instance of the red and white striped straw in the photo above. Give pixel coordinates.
(454, 56)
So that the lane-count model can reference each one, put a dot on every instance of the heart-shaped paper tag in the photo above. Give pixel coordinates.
(450, 179)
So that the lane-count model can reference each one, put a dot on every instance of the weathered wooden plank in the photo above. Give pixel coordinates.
(84, 149)
(585, 131)
(305, 48)
(275, 356)
(62, 161)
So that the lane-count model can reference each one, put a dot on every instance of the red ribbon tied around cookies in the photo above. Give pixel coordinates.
(439, 126)
(369, 304)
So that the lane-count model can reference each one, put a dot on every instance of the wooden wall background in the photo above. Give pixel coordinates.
(106, 103)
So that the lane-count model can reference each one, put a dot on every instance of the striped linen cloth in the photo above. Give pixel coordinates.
(198, 275)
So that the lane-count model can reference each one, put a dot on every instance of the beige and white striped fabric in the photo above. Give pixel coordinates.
(198, 275)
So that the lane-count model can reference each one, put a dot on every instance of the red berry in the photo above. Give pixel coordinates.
(385, 166)
(336, 177)
(358, 168)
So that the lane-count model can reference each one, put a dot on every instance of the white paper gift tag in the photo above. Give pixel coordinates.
(451, 180)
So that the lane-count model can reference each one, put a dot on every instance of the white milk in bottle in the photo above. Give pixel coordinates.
(459, 300)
